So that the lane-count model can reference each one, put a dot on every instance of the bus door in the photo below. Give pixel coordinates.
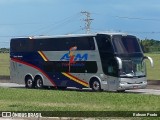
(112, 83)
(112, 78)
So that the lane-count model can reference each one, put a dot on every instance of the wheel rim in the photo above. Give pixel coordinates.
(39, 83)
(29, 83)
(96, 85)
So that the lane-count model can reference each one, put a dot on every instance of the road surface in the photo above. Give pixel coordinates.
(151, 89)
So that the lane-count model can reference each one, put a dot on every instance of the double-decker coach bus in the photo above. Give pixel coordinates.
(102, 61)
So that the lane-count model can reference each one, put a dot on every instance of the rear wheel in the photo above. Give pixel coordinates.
(29, 82)
(95, 85)
(39, 83)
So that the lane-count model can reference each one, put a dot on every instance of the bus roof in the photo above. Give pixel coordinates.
(73, 35)
(56, 36)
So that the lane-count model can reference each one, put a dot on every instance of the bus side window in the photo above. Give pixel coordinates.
(63, 44)
(104, 43)
(110, 69)
(108, 46)
(91, 43)
(20, 45)
(85, 43)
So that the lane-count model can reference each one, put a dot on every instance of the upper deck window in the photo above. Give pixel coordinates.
(64, 44)
(104, 43)
(52, 44)
(21, 45)
(126, 44)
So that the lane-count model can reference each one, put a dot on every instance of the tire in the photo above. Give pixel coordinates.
(29, 83)
(95, 85)
(39, 83)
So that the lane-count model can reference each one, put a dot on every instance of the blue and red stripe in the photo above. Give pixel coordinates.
(35, 67)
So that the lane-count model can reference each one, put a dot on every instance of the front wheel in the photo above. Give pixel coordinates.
(39, 83)
(95, 85)
(29, 82)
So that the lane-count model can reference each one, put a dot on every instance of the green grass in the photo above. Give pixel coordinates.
(16, 99)
(152, 73)
(4, 64)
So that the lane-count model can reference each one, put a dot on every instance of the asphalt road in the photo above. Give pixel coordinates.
(151, 89)
(11, 85)
(145, 91)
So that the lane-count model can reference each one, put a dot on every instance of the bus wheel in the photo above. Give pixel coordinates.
(95, 85)
(39, 83)
(29, 82)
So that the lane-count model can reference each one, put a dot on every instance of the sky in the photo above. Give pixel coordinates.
(20, 18)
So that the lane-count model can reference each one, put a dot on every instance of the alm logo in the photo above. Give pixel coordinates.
(73, 58)
(77, 57)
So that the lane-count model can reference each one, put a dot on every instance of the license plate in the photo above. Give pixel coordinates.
(135, 87)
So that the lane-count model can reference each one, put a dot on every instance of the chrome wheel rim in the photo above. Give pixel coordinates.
(96, 85)
(29, 83)
(39, 83)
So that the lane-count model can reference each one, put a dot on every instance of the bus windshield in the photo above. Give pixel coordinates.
(133, 68)
(126, 44)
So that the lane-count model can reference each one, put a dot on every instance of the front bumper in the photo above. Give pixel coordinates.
(127, 86)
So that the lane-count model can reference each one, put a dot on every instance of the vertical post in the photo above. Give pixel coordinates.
(88, 21)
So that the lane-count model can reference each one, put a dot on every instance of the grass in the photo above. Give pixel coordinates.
(16, 99)
(152, 73)
(4, 64)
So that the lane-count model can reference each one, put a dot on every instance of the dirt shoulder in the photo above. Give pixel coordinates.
(153, 84)
(156, 87)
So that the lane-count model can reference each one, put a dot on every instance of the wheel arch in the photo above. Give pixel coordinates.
(28, 75)
(37, 76)
(39, 82)
(94, 78)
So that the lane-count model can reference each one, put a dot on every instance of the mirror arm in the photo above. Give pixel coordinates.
(119, 62)
(150, 59)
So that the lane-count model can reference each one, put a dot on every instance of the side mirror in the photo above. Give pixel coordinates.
(150, 59)
(119, 61)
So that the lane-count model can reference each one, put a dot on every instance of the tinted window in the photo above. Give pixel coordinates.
(43, 44)
(110, 67)
(104, 43)
(85, 43)
(52, 44)
(126, 44)
(21, 45)
(78, 67)
(64, 44)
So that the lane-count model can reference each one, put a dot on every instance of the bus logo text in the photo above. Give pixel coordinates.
(77, 57)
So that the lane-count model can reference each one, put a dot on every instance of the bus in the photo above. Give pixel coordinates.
(100, 61)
